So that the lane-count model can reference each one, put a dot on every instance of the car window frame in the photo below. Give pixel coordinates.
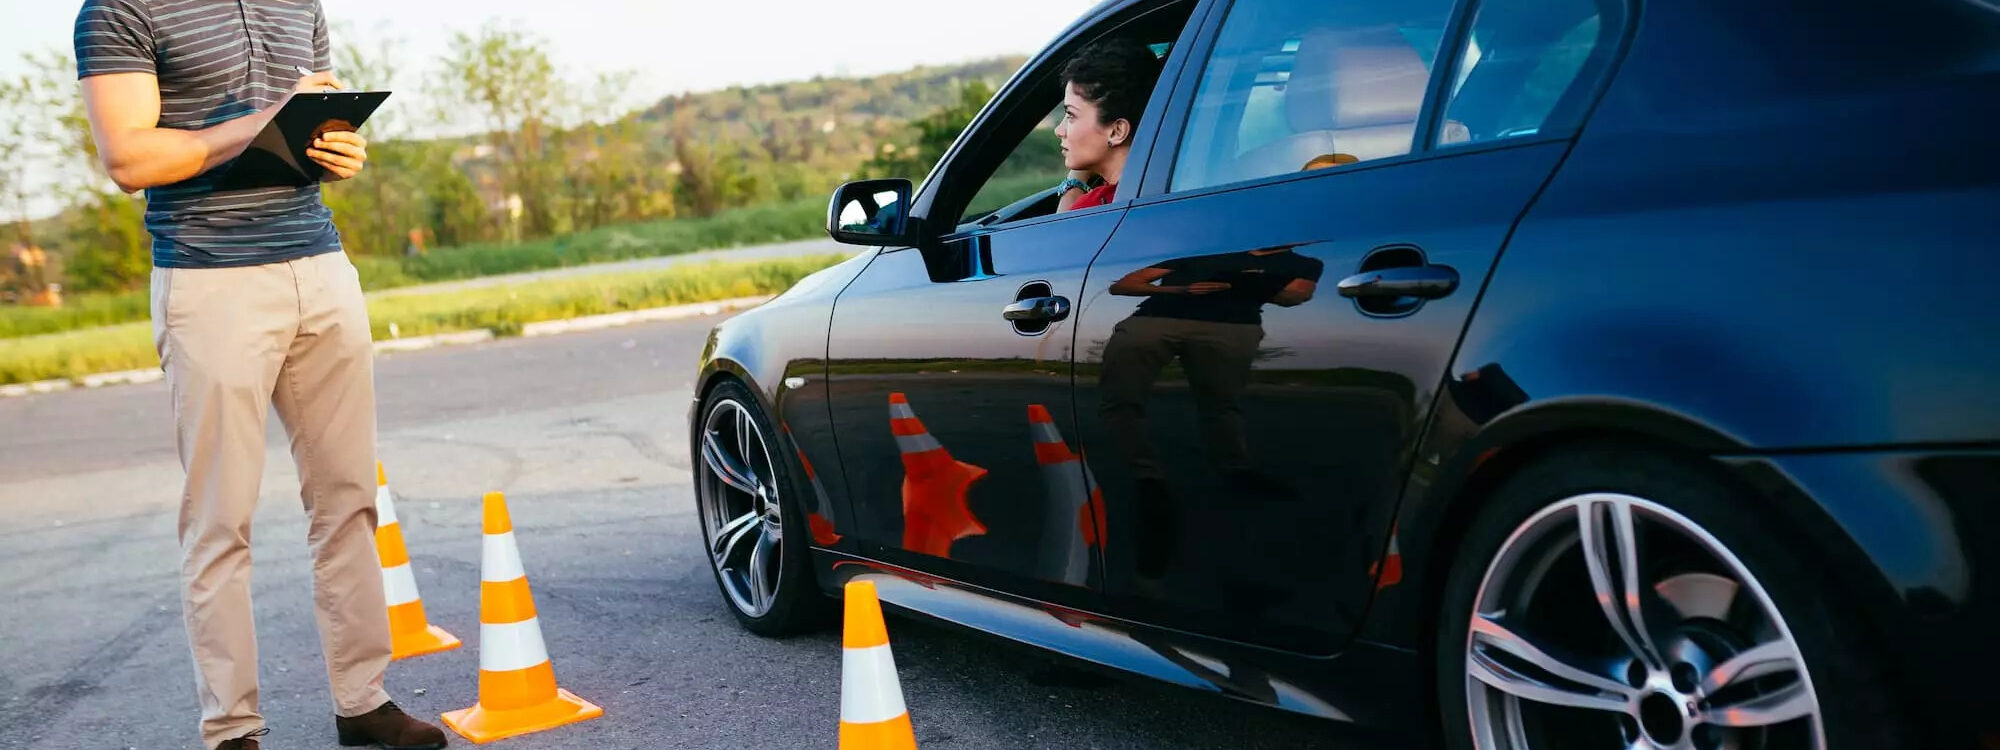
(937, 193)
(1158, 181)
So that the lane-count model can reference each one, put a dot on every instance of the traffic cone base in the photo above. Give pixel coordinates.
(430, 640)
(482, 725)
(894, 733)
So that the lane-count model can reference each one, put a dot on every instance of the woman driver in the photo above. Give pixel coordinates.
(1105, 90)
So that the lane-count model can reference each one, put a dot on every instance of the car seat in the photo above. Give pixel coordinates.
(1352, 92)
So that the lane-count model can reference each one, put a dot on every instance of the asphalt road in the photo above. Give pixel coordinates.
(584, 433)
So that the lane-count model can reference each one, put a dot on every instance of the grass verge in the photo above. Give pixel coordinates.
(502, 308)
(780, 222)
(78, 311)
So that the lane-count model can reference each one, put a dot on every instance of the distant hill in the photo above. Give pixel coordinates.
(827, 125)
(744, 110)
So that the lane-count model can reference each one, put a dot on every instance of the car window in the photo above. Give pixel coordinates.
(1521, 58)
(1303, 85)
(1023, 184)
(1034, 166)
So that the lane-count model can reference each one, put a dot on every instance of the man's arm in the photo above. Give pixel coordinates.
(124, 111)
(1296, 293)
(1140, 283)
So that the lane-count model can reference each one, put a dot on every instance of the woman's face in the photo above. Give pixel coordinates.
(1085, 141)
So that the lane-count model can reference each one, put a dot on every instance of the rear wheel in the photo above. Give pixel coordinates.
(1622, 600)
(752, 529)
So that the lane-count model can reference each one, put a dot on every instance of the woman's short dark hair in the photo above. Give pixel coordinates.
(1117, 75)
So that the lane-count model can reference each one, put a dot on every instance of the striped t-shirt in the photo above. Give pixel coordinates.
(216, 60)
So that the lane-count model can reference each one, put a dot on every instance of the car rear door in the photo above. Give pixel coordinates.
(953, 417)
(1250, 423)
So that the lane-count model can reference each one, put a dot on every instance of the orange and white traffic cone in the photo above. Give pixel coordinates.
(1069, 528)
(935, 485)
(410, 632)
(517, 684)
(872, 714)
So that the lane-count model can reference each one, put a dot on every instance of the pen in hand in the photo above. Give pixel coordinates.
(305, 72)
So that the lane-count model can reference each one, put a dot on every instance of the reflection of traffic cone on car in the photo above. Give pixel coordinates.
(935, 486)
(872, 714)
(517, 684)
(1391, 567)
(410, 631)
(822, 528)
(1069, 527)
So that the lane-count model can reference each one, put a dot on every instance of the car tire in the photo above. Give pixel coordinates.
(796, 604)
(1679, 509)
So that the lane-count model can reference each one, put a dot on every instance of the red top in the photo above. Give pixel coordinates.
(1097, 196)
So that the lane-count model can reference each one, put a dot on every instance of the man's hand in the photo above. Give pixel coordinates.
(342, 152)
(1207, 287)
(317, 82)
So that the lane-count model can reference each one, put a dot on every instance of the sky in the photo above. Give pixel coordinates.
(673, 46)
(677, 45)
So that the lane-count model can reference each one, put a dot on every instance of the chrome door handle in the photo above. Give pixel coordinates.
(1422, 282)
(1037, 310)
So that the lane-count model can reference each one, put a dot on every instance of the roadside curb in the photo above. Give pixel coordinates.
(39, 386)
(119, 378)
(608, 320)
(419, 343)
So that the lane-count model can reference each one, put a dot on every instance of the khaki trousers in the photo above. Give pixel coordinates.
(235, 342)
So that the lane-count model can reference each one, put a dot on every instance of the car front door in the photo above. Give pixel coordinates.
(949, 362)
(1260, 341)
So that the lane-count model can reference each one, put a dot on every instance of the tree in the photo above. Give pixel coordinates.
(111, 249)
(17, 136)
(507, 77)
(711, 177)
(46, 148)
(609, 176)
(933, 135)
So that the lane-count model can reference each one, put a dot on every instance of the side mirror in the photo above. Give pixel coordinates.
(871, 212)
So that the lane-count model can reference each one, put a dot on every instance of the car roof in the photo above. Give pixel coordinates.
(1105, 8)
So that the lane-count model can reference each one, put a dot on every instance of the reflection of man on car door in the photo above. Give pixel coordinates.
(1207, 312)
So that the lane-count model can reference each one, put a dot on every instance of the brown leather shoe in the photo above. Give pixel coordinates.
(389, 728)
(245, 742)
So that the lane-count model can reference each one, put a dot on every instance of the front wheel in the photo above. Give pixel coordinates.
(1626, 601)
(752, 529)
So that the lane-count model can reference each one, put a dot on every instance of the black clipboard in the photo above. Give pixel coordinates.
(277, 156)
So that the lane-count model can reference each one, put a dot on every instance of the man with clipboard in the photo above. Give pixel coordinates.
(254, 306)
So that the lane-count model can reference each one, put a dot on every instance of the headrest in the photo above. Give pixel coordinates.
(1354, 78)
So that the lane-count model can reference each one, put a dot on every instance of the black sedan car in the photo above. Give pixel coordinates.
(1525, 373)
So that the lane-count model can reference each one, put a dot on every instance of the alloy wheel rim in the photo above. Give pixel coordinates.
(742, 524)
(1611, 621)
